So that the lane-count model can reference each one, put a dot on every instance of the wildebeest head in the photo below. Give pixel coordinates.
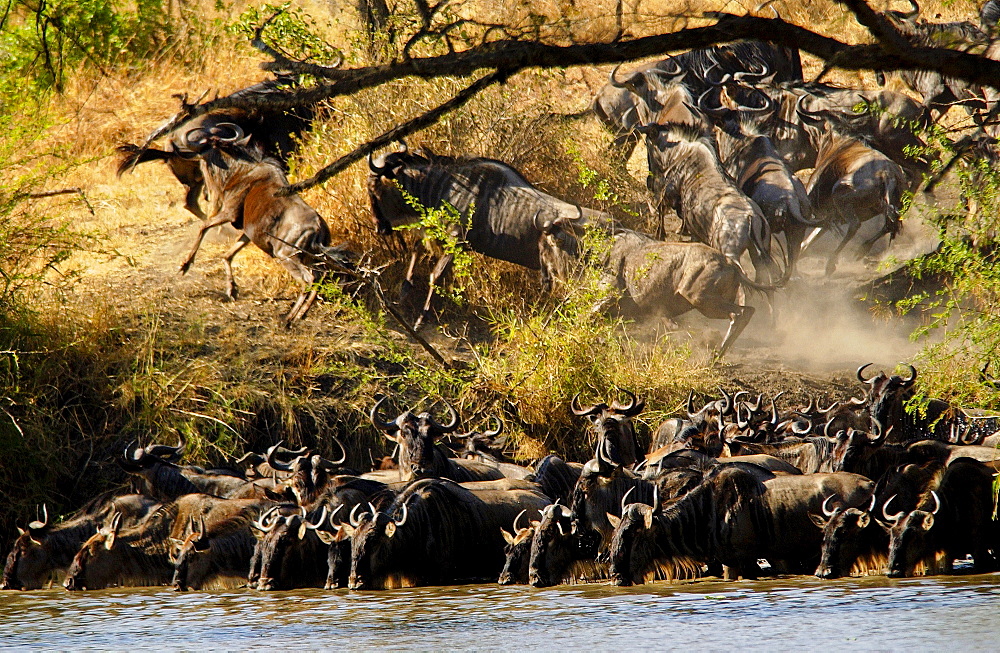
(910, 537)
(613, 428)
(886, 394)
(554, 547)
(633, 542)
(94, 566)
(560, 246)
(283, 528)
(188, 559)
(385, 177)
(842, 537)
(308, 475)
(377, 537)
(416, 435)
(517, 551)
(853, 448)
(28, 565)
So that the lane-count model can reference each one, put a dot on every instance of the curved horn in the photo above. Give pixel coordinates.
(353, 518)
(937, 502)
(689, 406)
(262, 524)
(405, 515)
(740, 422)
(374, 167)
(657, 505)
(727, 407)
(635, 406)
(625, 499)
(885, 511)
(604, 466)
(519, 515)
(497, 431)
(627, 85)
(236, 130)
(322, 518)
(166, 451)
(871, 506)
(273, 461)
(543, 227)
(826, 510)
(343, 453)
(879, 432)
(574, 405)
(811, 406)
(857, 402)
(755, 407)
(799, 430)
(914, 11)
(450, 426)
(774, 408)
(913, 370)
(195, 139)
(380, 423)
(861, 376)
(37, 525)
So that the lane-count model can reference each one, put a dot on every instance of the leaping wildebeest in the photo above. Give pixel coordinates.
(497, 205)
(274, 130)
(243, 185)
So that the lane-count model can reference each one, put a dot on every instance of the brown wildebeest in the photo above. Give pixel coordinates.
(243, 188)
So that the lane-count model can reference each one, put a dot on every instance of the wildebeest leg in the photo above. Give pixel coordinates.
(220, 218)
(304, 302)
(852, 228)
(227, 262)
(719, 308)
(191, 200)
(794, 234)
(442, 266)
(406, 289)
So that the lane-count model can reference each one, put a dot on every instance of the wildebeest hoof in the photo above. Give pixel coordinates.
(184, 267)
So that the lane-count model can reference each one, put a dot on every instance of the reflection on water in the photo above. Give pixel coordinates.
(956, 613)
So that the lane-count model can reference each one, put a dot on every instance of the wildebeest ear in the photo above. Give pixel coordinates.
(302, 530)
(507, 536)
(325, 537)
(614, 519)
(928, 522)
(390, 528)
(863, 520)
(20, 531)
(647, 518)
(819, 520)
(347, 530)
(885, 526)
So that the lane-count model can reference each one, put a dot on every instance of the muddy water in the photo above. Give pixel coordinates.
(953, 614)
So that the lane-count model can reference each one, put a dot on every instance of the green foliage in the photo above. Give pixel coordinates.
(42, 42)
(291, 29)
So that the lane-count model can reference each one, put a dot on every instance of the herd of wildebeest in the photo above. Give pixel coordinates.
(726, 130)
(859, 486)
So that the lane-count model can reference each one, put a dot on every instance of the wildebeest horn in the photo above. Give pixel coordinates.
(519, 515)
(450, 426)
(755, 407)
(604, 466)
(273, 461)
(799, 430)
(376, 168)
(811, 406)
(774, 408)
(163, 450)
(371, 507)
(885, 511)
(727, 407)
(403, 147)
(937, 502)
(689, 406)
(879, 432)
(378, 421)
(740, 422)
(628, 85)
(262, 524)
(38, 525)
(236, 130)
(353, 518)
(405, 515)
(574, 405)
(343, 453)
(913, 370)
(657, 505)
(635, 406)
(826, 510)
(322, 518)
(497, 431)
(625, 499)
(857, 401)
(914, 10)
(871, 506)
(861, 376)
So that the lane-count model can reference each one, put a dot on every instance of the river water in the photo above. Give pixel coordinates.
(957, 613)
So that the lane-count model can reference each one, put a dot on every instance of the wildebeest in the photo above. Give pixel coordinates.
(217, 551)
(683, 161)
(940, 420)
(734, 518)
(243, 187)
(949, 515)
(420, 456)
(852, 542)
(612, 426)
(496, 205)
(853, 183)
(243, 191)
(436, 531)
(44, 550)
(275, 131)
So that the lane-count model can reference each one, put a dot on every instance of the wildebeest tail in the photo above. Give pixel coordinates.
(750, 284)
(133, 155)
